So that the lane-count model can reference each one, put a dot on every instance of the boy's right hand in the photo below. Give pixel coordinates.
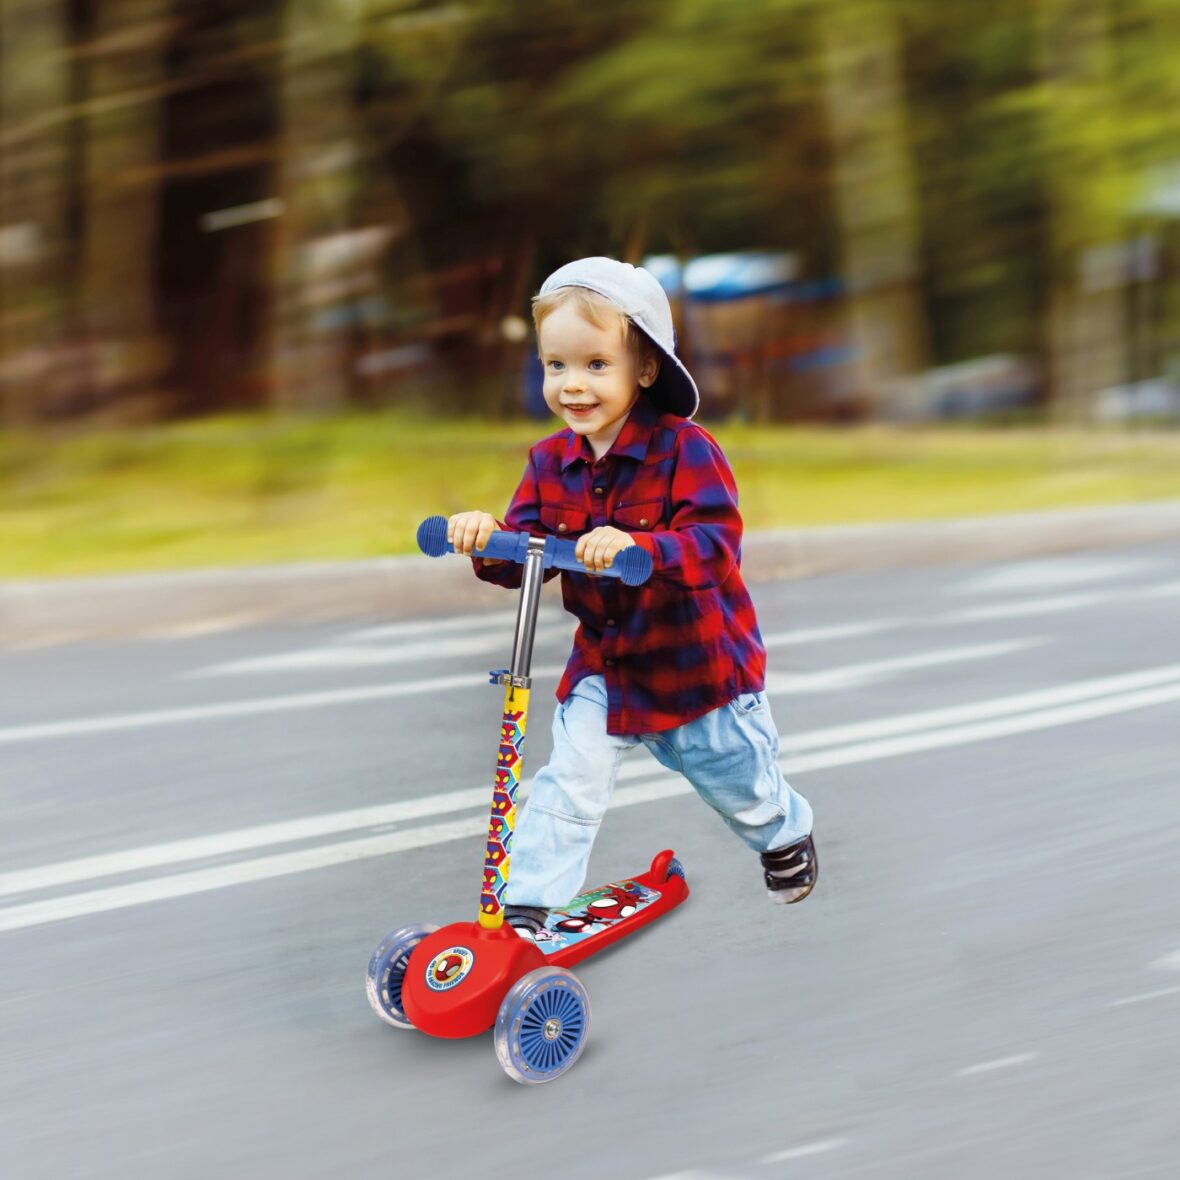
(469, 531)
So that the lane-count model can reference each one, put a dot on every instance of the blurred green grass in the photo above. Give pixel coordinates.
(245, 490)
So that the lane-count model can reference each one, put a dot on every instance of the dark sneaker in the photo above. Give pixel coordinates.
(527, 920)
(790, 872)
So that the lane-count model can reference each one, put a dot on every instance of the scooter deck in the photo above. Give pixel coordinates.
(599, 917)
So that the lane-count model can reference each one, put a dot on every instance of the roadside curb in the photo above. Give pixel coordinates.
(59, 610)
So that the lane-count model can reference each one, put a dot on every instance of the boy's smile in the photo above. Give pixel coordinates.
(592, 375)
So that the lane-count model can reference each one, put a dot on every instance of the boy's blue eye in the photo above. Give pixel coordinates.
(556, 365)
(598, 364)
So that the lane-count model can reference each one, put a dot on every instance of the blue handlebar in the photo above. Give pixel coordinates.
(633, 565)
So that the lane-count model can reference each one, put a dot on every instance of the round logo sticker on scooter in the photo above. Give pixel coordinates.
(449, 968)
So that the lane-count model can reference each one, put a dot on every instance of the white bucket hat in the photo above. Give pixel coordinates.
(638, 294)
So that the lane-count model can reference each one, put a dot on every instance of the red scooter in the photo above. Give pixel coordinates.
(471, 976)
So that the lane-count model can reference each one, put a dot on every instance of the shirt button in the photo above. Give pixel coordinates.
(609, 663)
(611, 623)
(561, 528)
(643, 522)
(598, 491)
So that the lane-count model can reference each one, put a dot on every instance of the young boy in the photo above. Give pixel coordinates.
(677, 664)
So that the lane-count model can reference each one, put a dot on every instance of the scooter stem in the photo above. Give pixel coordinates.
(526, 614)
(517, 683)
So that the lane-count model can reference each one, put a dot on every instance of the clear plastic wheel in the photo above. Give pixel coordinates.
(387, 971)
(542, 1025)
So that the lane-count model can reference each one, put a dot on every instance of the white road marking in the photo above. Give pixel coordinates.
(354, 655)
(311, 827)
(82, 726)
(1169, 962)
(415, 640)
(999, 1063)
(979, 710)
(1143, 997)
(98, 901)
(824, 634)
(850, 675)
(101, 901)
(414, 629)
(833, 742)
(1160, 590)
(1039, 573)
(1014, 609)
(984, 730)
(1023, 608)
(830, 680)
(662, 785)
(820, 1147)
(473, 634)
(363, 649)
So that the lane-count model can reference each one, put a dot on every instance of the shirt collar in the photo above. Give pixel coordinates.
(632, 442)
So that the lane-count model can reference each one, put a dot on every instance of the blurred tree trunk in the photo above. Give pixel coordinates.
(34, 246)
(1085, 330)
(217, 173)
(874, 193)
(319, 162)
(119, 63)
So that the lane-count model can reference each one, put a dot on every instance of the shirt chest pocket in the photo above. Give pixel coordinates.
(565, 520)
(645, 515)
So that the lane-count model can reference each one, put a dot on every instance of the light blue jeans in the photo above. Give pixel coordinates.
(730, 756)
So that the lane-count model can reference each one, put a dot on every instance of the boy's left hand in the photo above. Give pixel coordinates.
(596, 550)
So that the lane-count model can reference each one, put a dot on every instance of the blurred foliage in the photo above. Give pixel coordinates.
(684, 125)
(704, 120)
(1011, 155)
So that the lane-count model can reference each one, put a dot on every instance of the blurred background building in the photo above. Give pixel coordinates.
(898, 208)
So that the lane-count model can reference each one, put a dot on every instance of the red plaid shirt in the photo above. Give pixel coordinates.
(687, 641)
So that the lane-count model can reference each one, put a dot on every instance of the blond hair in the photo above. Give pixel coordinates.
(599, 311)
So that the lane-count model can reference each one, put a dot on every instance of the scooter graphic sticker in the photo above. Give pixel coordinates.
(593, 912)
(449, 968)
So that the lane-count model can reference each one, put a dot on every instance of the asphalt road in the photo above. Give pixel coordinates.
(204, 835)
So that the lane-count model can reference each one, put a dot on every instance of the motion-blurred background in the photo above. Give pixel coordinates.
(864, 210)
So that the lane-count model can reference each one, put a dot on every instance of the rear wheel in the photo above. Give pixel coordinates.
(664, 865)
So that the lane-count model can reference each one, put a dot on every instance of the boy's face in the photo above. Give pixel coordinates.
(592, 376)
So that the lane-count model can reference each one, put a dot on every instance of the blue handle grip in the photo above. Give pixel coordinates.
(633, 565)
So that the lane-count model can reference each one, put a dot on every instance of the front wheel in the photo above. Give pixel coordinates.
(387, 972)
(542, 1025)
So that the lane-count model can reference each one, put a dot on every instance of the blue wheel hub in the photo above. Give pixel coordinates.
(542, 1025)
(551, 1029)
